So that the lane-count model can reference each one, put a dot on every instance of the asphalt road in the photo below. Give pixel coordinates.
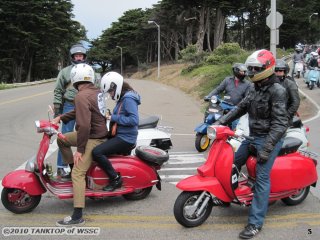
(151, 218)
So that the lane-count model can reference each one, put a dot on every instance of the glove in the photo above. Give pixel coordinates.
(57, 110)
(263, 156)
(206, 98)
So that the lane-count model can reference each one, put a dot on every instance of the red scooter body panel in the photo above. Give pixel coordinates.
(199, 183)
(220, 157)
(289, 172)
(135, 173)
(23, 180)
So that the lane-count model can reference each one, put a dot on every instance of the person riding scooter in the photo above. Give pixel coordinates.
(268, 121)
(236, 86)
(90, 131)
(313, 62)
(125, 115)
(297, 57)
(293, 99)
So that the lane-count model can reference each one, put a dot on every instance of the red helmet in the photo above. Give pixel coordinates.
(260, 65)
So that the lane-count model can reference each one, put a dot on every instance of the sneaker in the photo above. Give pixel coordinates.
(113, 184)
(218, 202)
(249, 231)
(61, 172)
(68, 221)
(66, 177)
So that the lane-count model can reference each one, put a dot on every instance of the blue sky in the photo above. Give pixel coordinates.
(97, 15)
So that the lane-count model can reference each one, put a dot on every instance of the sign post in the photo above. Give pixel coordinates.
(274, 20)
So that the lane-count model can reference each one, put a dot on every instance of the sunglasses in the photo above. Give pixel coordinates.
(278, 70)
(257, 69)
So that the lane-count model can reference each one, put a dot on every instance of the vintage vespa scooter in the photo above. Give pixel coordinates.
(22, 189)
(292, 175)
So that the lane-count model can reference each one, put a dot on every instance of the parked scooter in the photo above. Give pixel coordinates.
(291, 176)
(151, 134)
(298, 69)
(313, 77)
(22, 189)
(217, 108)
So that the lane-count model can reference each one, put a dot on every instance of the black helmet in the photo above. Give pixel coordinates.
(78, 49)
(237, 68)
(282, 66)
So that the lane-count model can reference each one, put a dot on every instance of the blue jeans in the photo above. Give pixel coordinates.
(68, 127)
(260, 201)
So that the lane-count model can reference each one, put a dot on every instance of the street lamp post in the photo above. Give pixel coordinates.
(310, 34)
(158, 26)
(311, 16)
(120, 58)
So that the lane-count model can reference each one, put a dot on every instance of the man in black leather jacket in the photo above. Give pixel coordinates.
(293, 99)
(268, 121)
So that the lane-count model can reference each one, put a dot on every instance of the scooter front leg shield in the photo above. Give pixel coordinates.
(210, 184)
(26, 181)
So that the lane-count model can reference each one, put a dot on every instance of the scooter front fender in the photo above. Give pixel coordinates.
(26, 181)
(210, 184)
(202, 128)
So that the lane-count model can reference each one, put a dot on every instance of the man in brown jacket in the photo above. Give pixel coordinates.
(90, 131)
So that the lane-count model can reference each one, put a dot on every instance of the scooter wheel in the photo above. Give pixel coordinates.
(138, 194)
(297, 198)
(19, 201)
(202, 142)
(184, 212)
(311, 85)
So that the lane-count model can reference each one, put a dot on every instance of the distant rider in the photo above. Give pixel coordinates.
(293, 99)
(236, 87)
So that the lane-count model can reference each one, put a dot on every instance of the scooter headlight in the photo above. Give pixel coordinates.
(214, 99)
(211, 132)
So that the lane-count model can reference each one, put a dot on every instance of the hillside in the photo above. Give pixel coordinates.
(170, 75)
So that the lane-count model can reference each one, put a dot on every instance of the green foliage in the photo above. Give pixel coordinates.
(5, 86)
(227, 53)
(190, 54)
(38, 36)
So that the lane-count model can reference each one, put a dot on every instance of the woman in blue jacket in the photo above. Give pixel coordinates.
(125, 115)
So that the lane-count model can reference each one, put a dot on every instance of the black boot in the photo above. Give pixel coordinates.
(113, 184)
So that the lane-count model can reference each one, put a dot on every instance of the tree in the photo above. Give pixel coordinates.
(37, 36)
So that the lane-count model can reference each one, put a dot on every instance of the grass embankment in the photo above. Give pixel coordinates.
(198, 79)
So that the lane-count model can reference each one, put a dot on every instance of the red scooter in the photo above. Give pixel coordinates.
(23, 188)
(292, 175)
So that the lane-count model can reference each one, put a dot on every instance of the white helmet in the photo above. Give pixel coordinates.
(314, 54)
(112, 81)
(82, 73)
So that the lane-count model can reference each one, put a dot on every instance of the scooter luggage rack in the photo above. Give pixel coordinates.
(309, 154)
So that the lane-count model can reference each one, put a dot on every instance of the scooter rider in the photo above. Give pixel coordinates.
(234, 86)
(297, 57)
(90, 131)
(125, 115)
(293, 99)
(268, 121)
(313, 62)
(64, 94)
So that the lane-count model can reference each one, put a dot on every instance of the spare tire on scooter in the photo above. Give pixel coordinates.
(152, 155)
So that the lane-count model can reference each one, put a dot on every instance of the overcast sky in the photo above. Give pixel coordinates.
(97, 15)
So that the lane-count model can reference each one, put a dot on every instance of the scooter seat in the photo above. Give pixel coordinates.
(149, 122)
(290, 145)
